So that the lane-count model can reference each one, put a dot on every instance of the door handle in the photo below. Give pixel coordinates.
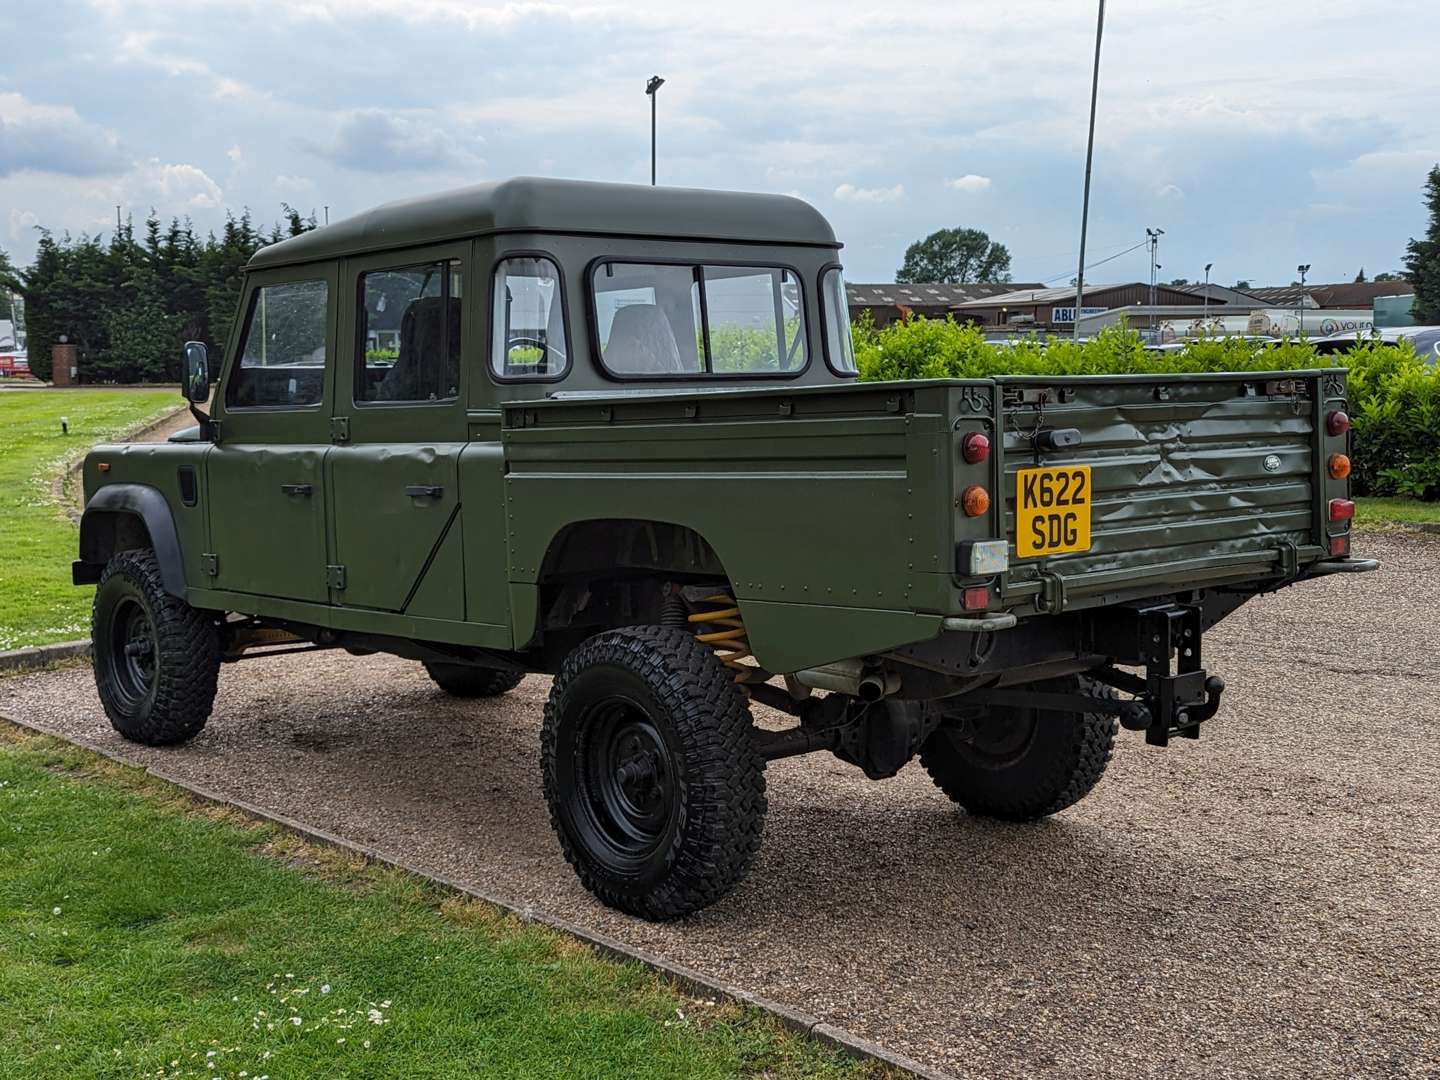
(424, 491)
(298, 489)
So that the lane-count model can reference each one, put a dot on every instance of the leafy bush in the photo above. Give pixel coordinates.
(1394, 395)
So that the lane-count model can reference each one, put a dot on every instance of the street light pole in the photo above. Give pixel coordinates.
(1153, 235)
(1205, 317)
(1089, 158)
(651, 90)
(1303, 269)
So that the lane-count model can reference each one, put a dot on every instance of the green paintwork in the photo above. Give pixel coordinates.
(832, 506)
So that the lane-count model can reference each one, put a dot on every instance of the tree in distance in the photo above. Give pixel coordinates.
(1423, 258)
(956, 257)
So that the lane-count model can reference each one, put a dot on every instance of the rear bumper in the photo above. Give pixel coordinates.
(1326, 567)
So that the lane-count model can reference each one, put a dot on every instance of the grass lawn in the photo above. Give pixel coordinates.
(1372, 512)
(143, 934)
(37, 602)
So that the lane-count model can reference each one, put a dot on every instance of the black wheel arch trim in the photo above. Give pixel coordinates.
(98, 540)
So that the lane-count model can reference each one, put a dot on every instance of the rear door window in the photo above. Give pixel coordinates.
(409, 340)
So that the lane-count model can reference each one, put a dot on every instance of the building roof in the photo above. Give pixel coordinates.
(927, 294)
(533, 204)
(1041, 295)
(1347, 294)
(1221, 293)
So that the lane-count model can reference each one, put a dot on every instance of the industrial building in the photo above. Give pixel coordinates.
(890, 303)
(1054, 309)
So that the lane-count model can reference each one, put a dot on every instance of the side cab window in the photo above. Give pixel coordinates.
(282, 356)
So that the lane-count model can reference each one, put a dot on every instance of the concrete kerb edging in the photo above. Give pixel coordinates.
(39, 656)
(684, 978)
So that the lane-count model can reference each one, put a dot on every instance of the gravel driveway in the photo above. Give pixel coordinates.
(1262, 902)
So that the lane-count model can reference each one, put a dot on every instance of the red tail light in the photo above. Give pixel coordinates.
(1337, 423)
(1341, 509)
(1340, 545)
(975, 448)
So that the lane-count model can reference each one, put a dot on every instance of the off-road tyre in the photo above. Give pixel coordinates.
(468, 681)
(156, 658)
(1034, 765)
(685, 832)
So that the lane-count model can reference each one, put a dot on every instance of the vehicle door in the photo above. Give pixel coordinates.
(400, 419)
(266, 475)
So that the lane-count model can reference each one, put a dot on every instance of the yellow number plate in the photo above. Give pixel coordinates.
(1052, 510)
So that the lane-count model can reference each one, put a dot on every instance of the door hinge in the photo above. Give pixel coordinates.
(339, 429)
(335, 577)
(210, 564)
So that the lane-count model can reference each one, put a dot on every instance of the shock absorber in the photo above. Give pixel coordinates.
(728, 640)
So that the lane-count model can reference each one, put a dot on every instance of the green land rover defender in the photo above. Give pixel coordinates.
(614, 433)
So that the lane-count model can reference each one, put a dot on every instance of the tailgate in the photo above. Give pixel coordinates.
(1195, 480)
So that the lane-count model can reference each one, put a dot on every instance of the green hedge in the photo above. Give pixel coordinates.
(1394, 395)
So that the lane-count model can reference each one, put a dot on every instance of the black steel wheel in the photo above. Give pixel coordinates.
(655, 788)
(156, 658)
(468, 681)
(1021, 764)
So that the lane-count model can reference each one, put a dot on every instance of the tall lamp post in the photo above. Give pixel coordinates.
(1089, 157)
(1302, 269)
(1153, 235)
(652, 89)
(1205, 316)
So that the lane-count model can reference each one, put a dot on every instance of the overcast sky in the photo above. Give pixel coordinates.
(1258, 136)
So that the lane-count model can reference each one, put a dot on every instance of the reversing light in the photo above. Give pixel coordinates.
(976, 598)
(1340, 545)
(975, 448)
(1337, 422)
(1341, 509)
(1338, 466)
(975, 500)
(987, 557)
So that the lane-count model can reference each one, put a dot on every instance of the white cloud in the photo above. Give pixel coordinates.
(1171, 191)
(381, 141)
(293, 185)
(235, 154)
(54, 139)
(22, 224)
(172, 188)
(852, 194)
(969, 183)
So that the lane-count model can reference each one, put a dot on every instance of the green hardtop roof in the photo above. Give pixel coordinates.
(536, 204)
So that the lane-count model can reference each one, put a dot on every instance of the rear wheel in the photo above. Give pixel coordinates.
(1021, 764)
(468, 681)
(655, 787)
(156, 658)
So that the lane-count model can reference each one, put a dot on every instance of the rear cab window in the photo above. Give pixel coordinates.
(668, 320)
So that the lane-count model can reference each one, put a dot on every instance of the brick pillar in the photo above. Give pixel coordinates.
(63, 360)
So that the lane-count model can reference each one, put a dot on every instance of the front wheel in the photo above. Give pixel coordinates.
(1022, 764)
(156, 658)
(654, 784)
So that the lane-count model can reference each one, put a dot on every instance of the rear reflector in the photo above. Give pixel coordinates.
(1341, 509)
(977, 598)
(975, 501)
(975, 448)
(1338, 466)
(1337, 423)
(1340, 545)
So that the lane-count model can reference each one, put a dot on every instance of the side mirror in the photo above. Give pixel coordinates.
(195, 384)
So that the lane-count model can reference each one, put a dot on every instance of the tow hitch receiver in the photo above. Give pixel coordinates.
(1173, 701)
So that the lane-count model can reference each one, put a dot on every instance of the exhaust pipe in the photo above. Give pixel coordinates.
(850, 677)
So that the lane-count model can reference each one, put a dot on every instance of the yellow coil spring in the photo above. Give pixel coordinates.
(729, 642)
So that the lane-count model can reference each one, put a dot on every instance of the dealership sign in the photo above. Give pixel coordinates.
(1067, 314)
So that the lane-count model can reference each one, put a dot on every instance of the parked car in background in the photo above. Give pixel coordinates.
(1425, 339)
(14, 363)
